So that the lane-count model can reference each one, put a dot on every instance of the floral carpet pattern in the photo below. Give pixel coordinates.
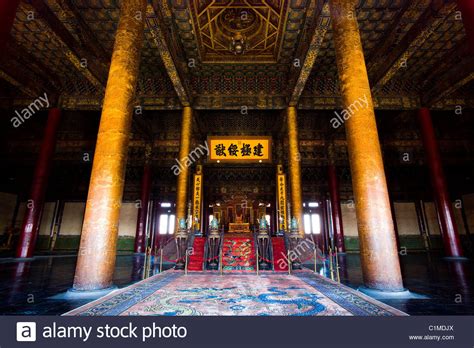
(172, 293)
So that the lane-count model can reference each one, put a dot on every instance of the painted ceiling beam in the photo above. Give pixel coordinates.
(323, 102)
(155, 28)
(68, 12)
(72, 49)
(434, 15)
(448, 60)
(12, 70)
(458, 76)
(19, 54)
(441, 70)
(323, 23)
(21, 84)
(409, 11)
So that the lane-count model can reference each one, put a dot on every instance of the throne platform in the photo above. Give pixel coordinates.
(239, 226)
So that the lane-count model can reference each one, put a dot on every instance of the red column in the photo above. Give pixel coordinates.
(448, 225)
(7, 16)
(395, 226)
(29, 229)
(336, 209)
(156, 226)
(143, 210)
(467, 10)
(325, 226)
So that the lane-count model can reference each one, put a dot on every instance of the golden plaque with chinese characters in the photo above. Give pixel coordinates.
(240, 149)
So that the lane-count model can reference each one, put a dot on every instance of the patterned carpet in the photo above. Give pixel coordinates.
(238, 254)
(173, 293)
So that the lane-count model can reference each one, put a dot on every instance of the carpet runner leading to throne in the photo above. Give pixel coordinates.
(238, 254)
(280, 263)
(196, 259)
(173, 293)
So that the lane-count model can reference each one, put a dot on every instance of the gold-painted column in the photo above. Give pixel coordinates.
(97, 251)
(378, 246)
(182, 185)
(295, 167)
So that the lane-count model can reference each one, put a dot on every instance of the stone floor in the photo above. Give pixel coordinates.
(27, 287)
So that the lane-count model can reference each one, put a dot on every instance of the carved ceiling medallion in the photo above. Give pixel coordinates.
(238, 31)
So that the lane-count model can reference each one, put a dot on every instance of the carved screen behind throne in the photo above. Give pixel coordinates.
(239, 213)
(230, 214)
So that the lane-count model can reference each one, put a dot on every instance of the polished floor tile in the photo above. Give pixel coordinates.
(449, 285)
(27, 287)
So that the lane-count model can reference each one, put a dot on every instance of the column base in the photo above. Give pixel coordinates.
(389, 295)
(455, 258)
(73, 294)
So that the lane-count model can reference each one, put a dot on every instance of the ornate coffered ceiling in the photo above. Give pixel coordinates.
(288, 58)
(259, 24)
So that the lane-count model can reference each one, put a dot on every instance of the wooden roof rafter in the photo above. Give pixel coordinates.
(68, 12)
(453, 70)
(460, 75)
(12, 71)
(74, 51)
(25, 86)
(18, 53)
(154, 20)
(433, 16)
(408, 12)
(323, 23)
